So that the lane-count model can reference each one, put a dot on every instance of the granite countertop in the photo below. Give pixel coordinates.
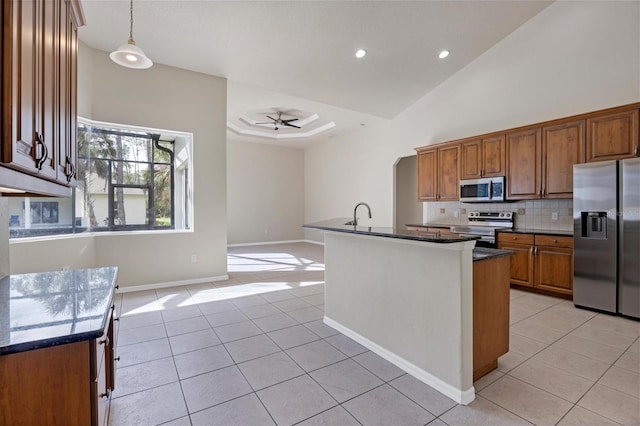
(52, 308)
(538, 231)
(338, 225)
(484, 253)
(430, 225)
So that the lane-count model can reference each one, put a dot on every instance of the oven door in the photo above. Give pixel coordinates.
(484, 241)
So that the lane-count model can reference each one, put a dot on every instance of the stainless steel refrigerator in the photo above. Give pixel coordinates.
(606, 216)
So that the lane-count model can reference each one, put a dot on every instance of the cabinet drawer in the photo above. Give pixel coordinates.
(508, 237)
(554, 241)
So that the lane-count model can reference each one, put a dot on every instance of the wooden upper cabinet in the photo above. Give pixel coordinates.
(448, 173)
(563, 146)
(471, 159)
(39, 48)
(524, 169)
(482, 158)
(439, 173)
(427, 175)
(493, 157)
(612, 136)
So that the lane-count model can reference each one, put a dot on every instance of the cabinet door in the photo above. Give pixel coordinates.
(524, 165)
(48, 88)
(20, 65)
(471, 160)
(448, 173)
(562, 147)
(554, 269)
(521, 262)
(427, 175)
(612, 136)
(66, 119)
(493, 157)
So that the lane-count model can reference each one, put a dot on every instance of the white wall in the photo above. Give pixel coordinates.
(573, 57)
(4, 236)
(407, 207)
(265, 188)
(167, 98)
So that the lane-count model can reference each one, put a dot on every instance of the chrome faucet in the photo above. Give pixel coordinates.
(355, 219)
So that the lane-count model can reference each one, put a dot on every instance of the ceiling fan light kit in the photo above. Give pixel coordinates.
(129, 55)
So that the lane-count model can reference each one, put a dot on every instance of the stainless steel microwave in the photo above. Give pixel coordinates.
(484, 190)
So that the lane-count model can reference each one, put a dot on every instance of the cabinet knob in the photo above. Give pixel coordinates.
(105, 341)
(555, 241)
(106, 394)
(515, 238)
(117, 359)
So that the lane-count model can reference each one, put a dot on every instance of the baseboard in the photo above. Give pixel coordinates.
(154, 286)
(314, 242)
(458, 395)
(265, 243)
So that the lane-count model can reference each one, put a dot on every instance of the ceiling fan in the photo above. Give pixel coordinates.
(279, 122)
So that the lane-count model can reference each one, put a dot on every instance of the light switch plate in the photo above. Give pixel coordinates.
(442, 211)
(554, 215)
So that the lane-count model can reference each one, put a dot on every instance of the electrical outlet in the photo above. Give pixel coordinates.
(522, 212)
(554, 215)
(194, 258)
(463, 211)
(442, 211)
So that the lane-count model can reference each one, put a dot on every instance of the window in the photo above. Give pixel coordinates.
(44, 212)
(127, 179)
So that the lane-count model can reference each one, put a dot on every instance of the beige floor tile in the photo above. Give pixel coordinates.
(536, 331)
(561, 318)
(612, 404)
(526, 401)
(553, 380)
(606, 337)
(487, 379)
(588, 348)
(622, 380)
(509, 361)
(572, 362)
(580, 416)
(519, 313)
(616, 325)
(481, 412)
(524, 345)
(630, 361)
(635, 347)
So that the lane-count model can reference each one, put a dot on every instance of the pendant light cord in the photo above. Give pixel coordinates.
(131, 23)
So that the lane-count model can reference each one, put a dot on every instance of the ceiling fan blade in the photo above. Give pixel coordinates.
(271, 118)
(289, 120)
(291, 125)
(265, 122)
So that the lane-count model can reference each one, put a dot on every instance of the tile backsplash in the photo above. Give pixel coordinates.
(529, 214)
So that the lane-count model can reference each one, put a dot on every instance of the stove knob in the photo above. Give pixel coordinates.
(501, 215)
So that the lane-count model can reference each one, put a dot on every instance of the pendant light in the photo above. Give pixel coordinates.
(129, 55)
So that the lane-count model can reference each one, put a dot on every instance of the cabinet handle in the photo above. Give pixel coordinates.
(535, 251)
(69, 169)
(105, 341)
(555, 241)
(635, 151)
(39, 141)
(481, 172)
(540, 193)
(116, 319)
(106, 394)
(117, 359)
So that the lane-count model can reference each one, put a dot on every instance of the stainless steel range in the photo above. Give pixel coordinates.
(485, 225)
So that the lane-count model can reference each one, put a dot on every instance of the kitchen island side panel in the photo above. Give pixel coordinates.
(408, 301)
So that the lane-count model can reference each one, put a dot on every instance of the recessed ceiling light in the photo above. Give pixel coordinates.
(443, 54)
(360, 53)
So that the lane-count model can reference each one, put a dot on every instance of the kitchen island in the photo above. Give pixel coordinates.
(57, 347)
(409, 297)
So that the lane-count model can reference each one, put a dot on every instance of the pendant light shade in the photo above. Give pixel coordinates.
(129, 55)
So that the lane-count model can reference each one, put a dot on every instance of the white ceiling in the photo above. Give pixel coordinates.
(300, 54)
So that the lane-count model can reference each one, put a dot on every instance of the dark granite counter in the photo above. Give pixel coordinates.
(339, 225)
(430, 225)
(484, 253)
(53, 308)
(538, 232)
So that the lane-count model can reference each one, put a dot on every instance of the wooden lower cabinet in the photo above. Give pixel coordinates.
(66, 384)
(544, 262)
(490, 314)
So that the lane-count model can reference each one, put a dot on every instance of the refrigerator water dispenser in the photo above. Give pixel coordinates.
(594, 225)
